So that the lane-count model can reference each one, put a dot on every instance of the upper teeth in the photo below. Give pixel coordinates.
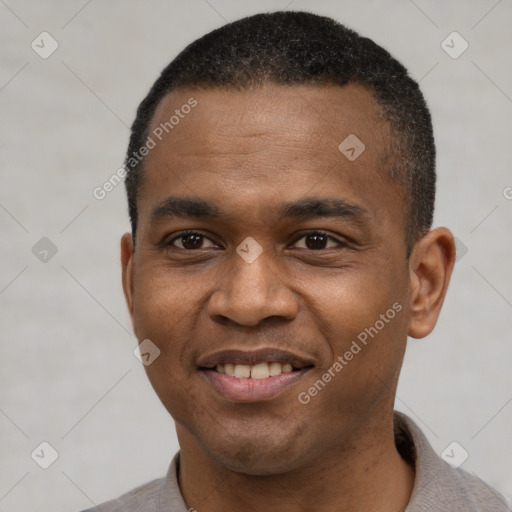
(256, 371)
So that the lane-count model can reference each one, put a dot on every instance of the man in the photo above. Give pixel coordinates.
(281, 184)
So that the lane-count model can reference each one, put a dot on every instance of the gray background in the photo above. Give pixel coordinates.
(68, 374)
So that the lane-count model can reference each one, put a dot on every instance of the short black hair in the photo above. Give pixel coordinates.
(291, 48)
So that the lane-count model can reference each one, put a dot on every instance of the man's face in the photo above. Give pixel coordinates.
(323, 277)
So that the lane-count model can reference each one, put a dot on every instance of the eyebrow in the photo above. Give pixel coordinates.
(311, 208)
(303, 209)
(183, 207)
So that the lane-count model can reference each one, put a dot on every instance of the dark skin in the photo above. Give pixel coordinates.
(248, 153)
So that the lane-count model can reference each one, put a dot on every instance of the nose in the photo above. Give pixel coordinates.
(252, 292)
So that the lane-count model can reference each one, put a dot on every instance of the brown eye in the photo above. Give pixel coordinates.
(318, 240)
(190, 241)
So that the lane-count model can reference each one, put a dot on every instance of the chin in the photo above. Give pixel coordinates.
(256, 453)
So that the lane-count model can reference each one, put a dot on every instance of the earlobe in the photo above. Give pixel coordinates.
(431, 265)
(127, 270)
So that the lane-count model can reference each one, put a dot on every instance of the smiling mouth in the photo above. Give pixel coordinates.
(253, 375)
(255, 371)
(262, 382)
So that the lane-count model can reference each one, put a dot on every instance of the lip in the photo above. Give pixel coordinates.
(252, 357)
(252, 390)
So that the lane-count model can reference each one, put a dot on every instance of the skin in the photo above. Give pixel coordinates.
(248, 152)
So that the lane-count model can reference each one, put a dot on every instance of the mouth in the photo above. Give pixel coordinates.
(253, 376)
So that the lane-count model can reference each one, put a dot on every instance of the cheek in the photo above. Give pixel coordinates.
(350, 302)
(162, 296)
(164, 305)
(163, 308)
(362, 317)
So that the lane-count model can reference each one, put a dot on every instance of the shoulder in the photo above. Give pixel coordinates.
(457, 491)
(143, 498)
(474, 493)
(155, 496)
(439, 487)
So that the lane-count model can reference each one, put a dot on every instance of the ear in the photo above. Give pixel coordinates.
(127, 269)
(431, 264)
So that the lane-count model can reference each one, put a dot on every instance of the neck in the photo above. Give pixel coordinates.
(367, 474)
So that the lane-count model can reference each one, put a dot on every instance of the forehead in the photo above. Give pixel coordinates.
(255, 144)
(312, 117)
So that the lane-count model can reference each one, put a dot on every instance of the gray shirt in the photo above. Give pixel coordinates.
(437, 486)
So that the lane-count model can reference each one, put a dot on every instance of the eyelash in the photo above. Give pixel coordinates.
(308, 233)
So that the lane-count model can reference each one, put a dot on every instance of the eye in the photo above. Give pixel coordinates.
(189, 240)
(313, 240)
(317, 240)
